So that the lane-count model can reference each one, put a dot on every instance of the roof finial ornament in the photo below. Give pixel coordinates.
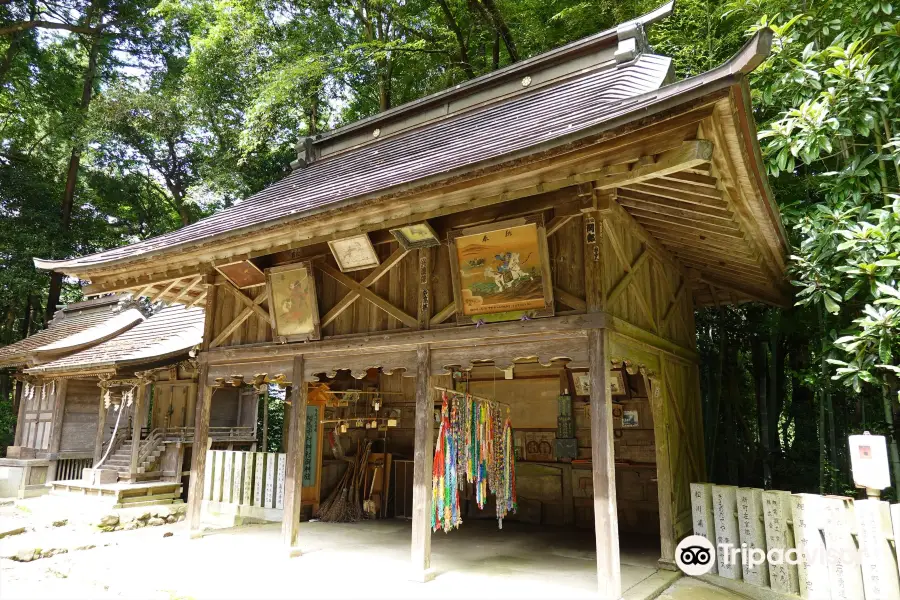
(306, 153)
(632, 42)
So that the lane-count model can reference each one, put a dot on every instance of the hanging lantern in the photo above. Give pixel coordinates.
(343, 428)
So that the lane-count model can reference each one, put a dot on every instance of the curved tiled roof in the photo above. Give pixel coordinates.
(459, 141)
(68, 321)
(170, 332)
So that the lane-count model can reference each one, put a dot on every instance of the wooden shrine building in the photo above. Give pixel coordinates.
(85, 389)
(566, 213)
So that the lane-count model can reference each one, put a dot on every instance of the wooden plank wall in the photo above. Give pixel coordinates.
(680, 386)
(646, 301)
(79, 426)
(174, 404)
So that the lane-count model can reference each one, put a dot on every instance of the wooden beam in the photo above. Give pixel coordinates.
(60, 387)
(187, 289)
(239, 320)
(690, 210)
(557, 223)
(677, 223)
(698, 179)
(378, 301)
(100, 433)
(626, 279)
(759, 296)
(246, 300)
(700, 194)
(444, 314)
(603, 465)
(146, 290)
(293, 476)
(423, 456)
(689, 154)
(568, 299)
(351, 297)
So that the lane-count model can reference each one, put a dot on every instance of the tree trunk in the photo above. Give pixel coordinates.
(87, 92)
(728, 415)
(460, 39)
(716, 386)
(886, 395)
(760, 376)
(502, 29)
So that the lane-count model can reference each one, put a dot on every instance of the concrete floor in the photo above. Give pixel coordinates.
(360, 560)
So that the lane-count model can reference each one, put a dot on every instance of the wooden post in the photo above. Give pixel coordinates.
(20, 421)
(606, 523)
(595, 294)
(422, 467)
(101, 430)
(136, 425)
(293, 476)
(265, 420)
(56, 426)
(424, 295)
(198, 452)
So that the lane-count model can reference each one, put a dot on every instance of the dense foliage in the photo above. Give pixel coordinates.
(121, 119)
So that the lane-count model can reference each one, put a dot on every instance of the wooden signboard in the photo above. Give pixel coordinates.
(501, 271)
(312, 456)
(293, 306)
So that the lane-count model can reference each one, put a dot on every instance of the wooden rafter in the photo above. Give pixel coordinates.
(162, 293)
(186, 290)
(198, 299)
(366, 293)
(239, 320)
(351, 297)
(742, 290)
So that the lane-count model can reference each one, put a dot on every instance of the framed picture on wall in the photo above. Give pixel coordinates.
(354, 253)
(582, 383)
(582, 380)
(293, 307)
(501, 271)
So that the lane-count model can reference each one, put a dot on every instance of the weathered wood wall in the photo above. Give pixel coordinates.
(79, 426)
(646, 287)
(174, 404)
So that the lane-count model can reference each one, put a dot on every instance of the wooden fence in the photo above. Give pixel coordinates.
(71, 468)
(843, 549)
(244, 484)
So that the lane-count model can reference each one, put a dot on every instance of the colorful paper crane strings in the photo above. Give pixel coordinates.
(474, 446)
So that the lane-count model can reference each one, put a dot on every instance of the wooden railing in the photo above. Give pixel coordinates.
(802, 544)
(186, 434)
(153, 440)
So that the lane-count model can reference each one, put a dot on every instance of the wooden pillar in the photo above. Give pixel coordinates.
(293, 476)
(20, 421)
(424, 295)
(101, 429)
(606, 524)
(422, 468)
(198, 451)
(137, 422)
(56, 425)
(265, 420)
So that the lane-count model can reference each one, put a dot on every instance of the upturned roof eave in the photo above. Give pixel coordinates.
(729, 73)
